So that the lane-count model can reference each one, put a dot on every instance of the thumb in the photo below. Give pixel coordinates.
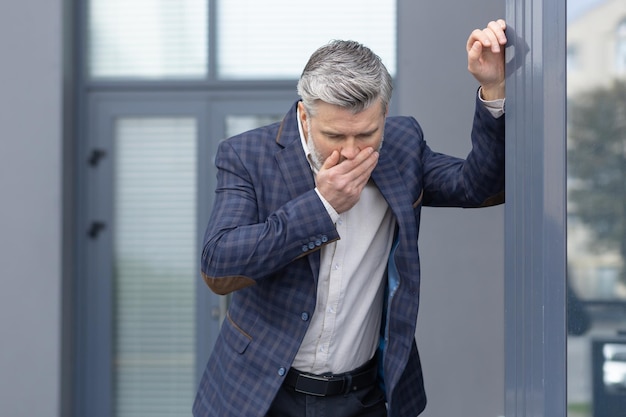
(473, 57)
(475, 51)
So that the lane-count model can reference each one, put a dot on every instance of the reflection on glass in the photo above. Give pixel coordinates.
(596, 158)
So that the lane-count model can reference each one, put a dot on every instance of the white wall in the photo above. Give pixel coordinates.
(30, 208)
(461, 323)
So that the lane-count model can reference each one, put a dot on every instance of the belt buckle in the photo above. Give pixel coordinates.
(301, 384)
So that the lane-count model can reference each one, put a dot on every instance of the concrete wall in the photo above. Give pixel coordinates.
(461, 321)
(30, 209)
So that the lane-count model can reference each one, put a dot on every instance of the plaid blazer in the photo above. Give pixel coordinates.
(262, 245)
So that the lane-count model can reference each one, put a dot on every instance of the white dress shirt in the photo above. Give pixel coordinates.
(344, 330)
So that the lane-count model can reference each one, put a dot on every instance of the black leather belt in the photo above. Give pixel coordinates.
(327, 385)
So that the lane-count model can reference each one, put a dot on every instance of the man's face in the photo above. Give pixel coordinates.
(335, 128)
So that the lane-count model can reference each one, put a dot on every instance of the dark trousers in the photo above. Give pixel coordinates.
(366, 402)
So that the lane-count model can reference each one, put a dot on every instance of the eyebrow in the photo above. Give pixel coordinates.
(367, 133)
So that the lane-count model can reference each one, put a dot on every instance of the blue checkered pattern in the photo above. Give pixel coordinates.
(263, 241)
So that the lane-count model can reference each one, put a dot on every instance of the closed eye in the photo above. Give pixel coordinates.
(360, 136)
(334, 137)
(365, 136)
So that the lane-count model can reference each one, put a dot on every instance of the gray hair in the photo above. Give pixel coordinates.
(346, 74)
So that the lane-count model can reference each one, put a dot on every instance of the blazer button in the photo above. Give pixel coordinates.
(318, 242)
(311, 245)
(305, 248)
(324, 239)
(305, 316)
(282, 371)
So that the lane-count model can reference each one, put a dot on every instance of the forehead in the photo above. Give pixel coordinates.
(341, 120)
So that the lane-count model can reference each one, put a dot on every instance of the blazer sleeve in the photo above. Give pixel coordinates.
(240, 248)
(476, 181)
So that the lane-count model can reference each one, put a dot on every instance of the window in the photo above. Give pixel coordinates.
(274, 38)
(147, 39)
(596, 250)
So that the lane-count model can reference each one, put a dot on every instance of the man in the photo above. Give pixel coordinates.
(314, 232)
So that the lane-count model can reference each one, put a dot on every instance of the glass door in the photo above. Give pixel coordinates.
(138, 285)
(149, 322)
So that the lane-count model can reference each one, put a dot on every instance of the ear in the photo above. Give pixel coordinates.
(303, 119)
(302, 111)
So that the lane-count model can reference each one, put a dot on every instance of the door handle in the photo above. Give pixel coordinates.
(95, 228)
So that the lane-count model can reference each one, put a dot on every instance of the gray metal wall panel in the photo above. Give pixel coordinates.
(535, 212)
(30, 213)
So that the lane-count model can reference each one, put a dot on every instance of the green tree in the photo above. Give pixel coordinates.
(597, 165)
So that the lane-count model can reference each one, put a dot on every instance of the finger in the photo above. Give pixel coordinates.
(364, 155)
(360, 167)
(475, 50)
(473, 56)
(490, 37)
(498, 27)
(350, 164)
(331, 161)
(493, 41)
(475, 36)
(364, 168)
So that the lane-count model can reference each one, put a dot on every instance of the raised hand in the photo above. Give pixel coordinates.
(485, 58)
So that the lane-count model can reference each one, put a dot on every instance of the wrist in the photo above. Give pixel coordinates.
(492, 92)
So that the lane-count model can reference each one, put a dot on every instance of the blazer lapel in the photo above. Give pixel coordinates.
(291, 158)
(291, 161)
(389, 181)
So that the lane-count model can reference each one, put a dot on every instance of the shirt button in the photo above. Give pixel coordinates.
(305, 316)
(281, 371)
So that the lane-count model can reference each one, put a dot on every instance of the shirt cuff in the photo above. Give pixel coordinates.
(331, 211)
(495, 107)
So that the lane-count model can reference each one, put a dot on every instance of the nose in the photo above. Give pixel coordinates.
(350, 149)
